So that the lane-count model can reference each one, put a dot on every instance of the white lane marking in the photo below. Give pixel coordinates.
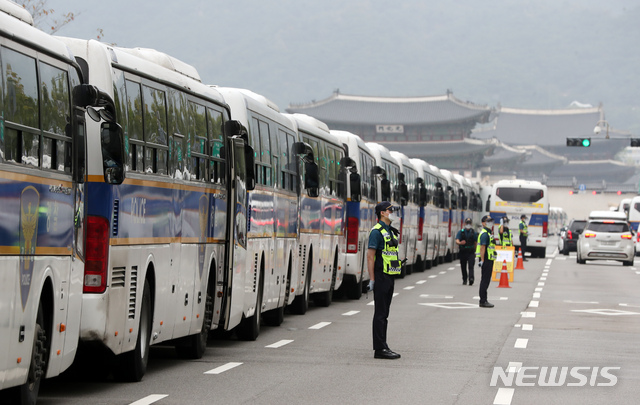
(350, 313)
(528, 314)
(279, 344)
(612, 312)
(421, 282)
(149, 399)
(534, 304)
(435, 296)
(410, 287)
(541, 284)
(504, 396)
(633, 268)
(629, 305)
(504, 298)
(527, 326)
(637, 272)
(372, 303)
(514, 367)
(396, 294)
(517, 325)
(538, 289)
(549, 262)
(477, 297)
(536, 295)
(450, 268)
(433, 276)
(521, 343)
(450, 305)
(223, 368)
(543, 279)
(581, 302)
(320, 325)
(444, 272)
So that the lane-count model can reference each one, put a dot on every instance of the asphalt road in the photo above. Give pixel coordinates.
(556, 315)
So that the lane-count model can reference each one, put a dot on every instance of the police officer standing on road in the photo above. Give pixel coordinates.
(524, 234)
(506, 237)
(486, 252)
(466, 239)
(383, 265)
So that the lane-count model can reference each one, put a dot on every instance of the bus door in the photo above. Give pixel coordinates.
(240, 161)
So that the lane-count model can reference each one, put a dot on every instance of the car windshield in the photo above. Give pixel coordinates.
(613, 227)
(578, 225)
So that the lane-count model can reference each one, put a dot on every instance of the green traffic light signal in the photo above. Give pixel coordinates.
(583, 142)
(586, 142)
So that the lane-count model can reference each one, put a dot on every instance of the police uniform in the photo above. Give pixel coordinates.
(485, 238)
(386, 266)
(524, 234)
(506, 237)
(467, 253)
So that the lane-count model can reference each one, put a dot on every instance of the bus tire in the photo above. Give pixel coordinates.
(249, 328)
(301, 303)
(27, 393)
(133, 365)
(194, 346)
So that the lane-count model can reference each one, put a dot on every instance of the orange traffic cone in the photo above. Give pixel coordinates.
(520, 263)
(504, 276)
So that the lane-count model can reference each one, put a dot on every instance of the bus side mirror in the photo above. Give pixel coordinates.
(404, 194)
(112, 146)
(250, 167)
(488, 206)
(311, 179)
(377, 170)
(356, 186)
(232, 128)
(385, 188)
(422, 197)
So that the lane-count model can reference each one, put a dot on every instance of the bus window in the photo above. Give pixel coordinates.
(217, 163)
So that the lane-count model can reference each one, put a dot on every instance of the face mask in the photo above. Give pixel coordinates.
(489, 224)
(393, 217)
(467, 226)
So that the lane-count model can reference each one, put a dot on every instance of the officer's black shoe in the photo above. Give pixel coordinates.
(486, 305)
(386, 354)
(470, 282)
(464, 282)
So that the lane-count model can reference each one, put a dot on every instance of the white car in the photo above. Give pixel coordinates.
(606, 239)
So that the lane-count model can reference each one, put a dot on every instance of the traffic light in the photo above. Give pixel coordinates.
(635, 142)
(584, 142)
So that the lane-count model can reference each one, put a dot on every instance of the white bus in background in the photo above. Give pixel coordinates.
(360, 215)
(160, 265)
(427, 239)
(43, 163)
(442, 203)
(557, 219)
(270, 276)
(410, 209)
(392, 187)
(453, 225)
(514, 198)
(321, 240)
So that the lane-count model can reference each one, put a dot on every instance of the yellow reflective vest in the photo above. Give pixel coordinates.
(491, 249)
(390, 263)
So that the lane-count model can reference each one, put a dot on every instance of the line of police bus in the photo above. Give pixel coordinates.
(178, 208)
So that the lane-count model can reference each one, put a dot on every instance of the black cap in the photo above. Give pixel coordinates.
(505, 219)
(523, 216)
(486, 218)
(467, 221)
(383, 206)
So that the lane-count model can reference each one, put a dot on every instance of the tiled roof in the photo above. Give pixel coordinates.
(348, 109)
(426, 150)
(542, 127)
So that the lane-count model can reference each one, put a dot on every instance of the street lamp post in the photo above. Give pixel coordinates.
(597, 129)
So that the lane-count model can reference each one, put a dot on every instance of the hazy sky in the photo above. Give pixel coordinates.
(295, 51)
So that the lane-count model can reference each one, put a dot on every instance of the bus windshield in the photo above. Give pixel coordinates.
(523, 195)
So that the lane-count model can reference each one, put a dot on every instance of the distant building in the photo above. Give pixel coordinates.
(435, 128)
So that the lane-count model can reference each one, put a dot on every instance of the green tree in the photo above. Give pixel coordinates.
(47, 19)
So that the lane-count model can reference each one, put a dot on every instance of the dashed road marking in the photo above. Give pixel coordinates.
(543, 279)
(527, 314)
(149, 399)
(450, 305)
(521, 343)
(534, 304)
(396, 294)
(450, 268)
(612, 312)
(503, 396)
(410, 287)
(538, 289)
(527, 326)
(629, 305)
(434, 276)
(581, 302)
(435, 296)
(541, 284)
(444, 272)
(351, 313)
(223, 368)
(372, 303)
(320, 325)
(536, 295)
(279, 344)
(421, 282)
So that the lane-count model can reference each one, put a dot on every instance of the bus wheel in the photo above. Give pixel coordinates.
(195, 345)
(27, 393)
(249, 328)
(132, 365)
(301, 303)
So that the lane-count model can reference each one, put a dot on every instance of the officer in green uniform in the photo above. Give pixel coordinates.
(524, 234)
(383, 264)
(506, 237)
(486, 252)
